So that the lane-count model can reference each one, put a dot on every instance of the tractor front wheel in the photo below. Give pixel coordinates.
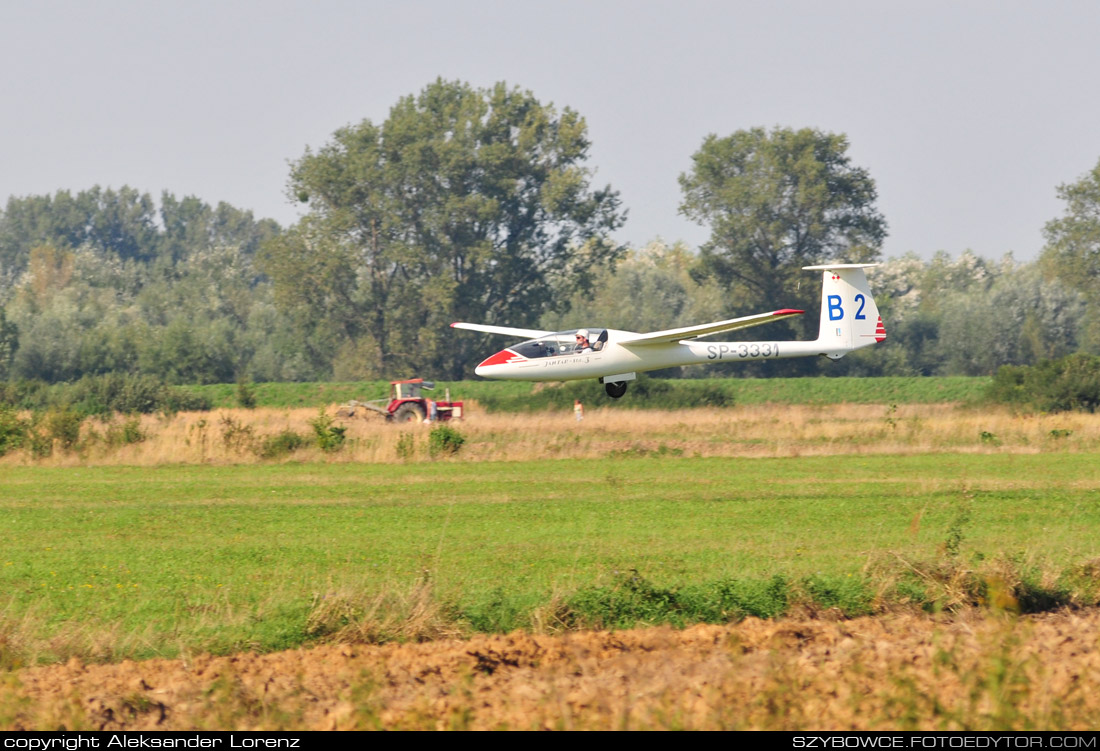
(409, 413)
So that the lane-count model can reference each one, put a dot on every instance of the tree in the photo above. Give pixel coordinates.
(1072, 252)
(9, 342)
(463, 204)
(775, 202)
(124, 223)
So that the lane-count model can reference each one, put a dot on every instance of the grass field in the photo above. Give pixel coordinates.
(115, 561)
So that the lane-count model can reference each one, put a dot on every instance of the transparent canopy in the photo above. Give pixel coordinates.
(562, 343)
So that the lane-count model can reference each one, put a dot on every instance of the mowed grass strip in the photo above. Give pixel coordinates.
(112, 562)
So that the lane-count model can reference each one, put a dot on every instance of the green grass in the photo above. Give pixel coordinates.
(227, 558)
(514, 396)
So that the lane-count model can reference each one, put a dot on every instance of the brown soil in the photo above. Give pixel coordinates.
(894, 672)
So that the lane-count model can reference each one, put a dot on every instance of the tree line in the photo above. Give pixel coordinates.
(479, 204)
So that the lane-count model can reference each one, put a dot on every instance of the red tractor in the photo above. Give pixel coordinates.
(406, 404)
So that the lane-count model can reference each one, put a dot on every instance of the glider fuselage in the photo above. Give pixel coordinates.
(614, 358)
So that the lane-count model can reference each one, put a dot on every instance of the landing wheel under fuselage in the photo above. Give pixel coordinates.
(615, 390)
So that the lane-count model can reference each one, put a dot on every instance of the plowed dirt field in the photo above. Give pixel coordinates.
(892, 672)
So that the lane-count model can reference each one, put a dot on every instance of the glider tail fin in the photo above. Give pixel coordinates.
(849, 317)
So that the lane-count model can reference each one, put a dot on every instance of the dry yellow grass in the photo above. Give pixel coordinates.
(230, 436)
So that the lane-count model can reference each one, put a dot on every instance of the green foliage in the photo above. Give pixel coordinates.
(100, 284)
(124, 433)
(118, 392)
(958, 525)
(330, 438)
(63, 426)
(465, 203)
(444, 441)
(281, 444)
(184, 400)
(125, 223)
(1072, 252)
(634, 601)
(236, 436)
(13, 430)
(246, 394)
(9, 342)
(776, 201)
(405, 446)
(103, 394)
(1070, 383)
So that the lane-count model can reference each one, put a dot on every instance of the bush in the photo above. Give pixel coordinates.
(246, 394)
(1062, 385)
(236, 436)
(281, 444)
(405, 446)
(123, 434)
(113, 392)
(100, 395)
(330, 437)
(63, 426)
(183, 400)
(13, 431)
(444, 441)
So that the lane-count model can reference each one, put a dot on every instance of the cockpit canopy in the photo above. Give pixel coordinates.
(561, 343)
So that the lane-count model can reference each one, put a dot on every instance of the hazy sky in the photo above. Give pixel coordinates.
(967, 114)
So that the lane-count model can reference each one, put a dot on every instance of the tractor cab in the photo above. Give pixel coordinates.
(409, 389)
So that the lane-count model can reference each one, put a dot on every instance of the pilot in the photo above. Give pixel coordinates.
(582, 342)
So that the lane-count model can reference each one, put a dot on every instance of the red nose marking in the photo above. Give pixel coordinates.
(501, 358)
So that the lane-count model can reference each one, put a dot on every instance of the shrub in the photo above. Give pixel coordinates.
(102, 394)
(63, 426)
(13, 431)
(184, 400)
(1062, 385)
(281, 444)
(112, 392)
(330, 437)
(444, 441)
(246, 394)
(405, 446)
(127, 432)
(236, 436)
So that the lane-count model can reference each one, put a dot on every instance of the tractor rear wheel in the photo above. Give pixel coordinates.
(409, 412)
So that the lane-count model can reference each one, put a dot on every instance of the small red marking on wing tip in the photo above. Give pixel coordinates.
(452, 325)
(788, 312)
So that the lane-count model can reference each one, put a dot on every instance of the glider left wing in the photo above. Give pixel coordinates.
(690, 332)
(504, 330)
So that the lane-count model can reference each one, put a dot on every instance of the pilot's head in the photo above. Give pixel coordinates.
(582, 334)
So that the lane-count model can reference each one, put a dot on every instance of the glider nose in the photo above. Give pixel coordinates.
(500, 358)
